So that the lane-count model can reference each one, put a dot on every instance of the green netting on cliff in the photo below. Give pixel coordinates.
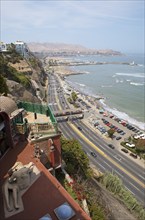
(37, 108)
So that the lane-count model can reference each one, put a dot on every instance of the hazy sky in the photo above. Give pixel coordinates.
(104, 24)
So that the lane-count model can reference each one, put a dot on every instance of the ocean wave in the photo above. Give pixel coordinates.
(123, 115)
(139, 75)
(136, 84)
(80, 84)
(119, 81)
(82, 89)
(106, 86)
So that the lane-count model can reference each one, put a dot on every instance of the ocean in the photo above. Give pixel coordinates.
(122, 86)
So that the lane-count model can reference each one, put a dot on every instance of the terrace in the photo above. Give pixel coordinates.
(40, 121)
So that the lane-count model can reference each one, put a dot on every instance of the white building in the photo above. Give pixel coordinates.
(3, 47)
(22, 48)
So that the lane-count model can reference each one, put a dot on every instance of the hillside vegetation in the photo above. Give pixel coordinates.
(17, 73)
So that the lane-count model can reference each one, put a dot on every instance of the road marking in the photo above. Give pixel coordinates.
(118, 173)
(143, 177)
(52, 104)
(129, 190)
(106, 156)
(134, 186)
(102, 166)
(107, 164)
(117, 157)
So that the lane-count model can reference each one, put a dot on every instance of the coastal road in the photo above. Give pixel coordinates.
(118, 156)
(105, 163)
(132, 175)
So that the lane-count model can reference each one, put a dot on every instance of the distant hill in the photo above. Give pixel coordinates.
(46, 47)
(67, 48)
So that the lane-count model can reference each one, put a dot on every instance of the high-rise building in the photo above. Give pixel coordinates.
(22, 48)
(3, 47)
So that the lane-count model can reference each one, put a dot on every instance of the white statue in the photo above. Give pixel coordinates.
(19, 179)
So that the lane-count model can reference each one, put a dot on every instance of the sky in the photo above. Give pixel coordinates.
(99, 24)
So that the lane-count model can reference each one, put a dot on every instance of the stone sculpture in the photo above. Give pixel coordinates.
(19, 179)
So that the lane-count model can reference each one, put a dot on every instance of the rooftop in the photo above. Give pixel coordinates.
(39, 118)
(7, 105)
(44, 195)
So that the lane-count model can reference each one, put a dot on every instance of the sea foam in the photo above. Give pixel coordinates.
(136, 84)
(123, 115)
(139, 75)
(80, 84)
(107, 86)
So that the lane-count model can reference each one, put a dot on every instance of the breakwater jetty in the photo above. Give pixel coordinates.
(78, 63)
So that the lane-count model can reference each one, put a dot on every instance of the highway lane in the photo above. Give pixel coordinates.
(103, 165)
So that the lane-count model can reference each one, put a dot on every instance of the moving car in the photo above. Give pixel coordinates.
(80, 128)
(111, 146)
(93, 154)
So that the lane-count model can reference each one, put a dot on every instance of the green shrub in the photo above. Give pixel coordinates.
(3, 86)
(96, 212)
(114, 184)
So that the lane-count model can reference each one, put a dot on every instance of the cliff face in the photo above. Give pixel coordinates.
(17, 74)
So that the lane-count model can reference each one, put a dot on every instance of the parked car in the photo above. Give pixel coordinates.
(130, 145)
(122, 133)
(96, 124)
(133, 155)
(136, 137)
(124, 150)
(111, 146)
(118, 138)
(119, 130)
